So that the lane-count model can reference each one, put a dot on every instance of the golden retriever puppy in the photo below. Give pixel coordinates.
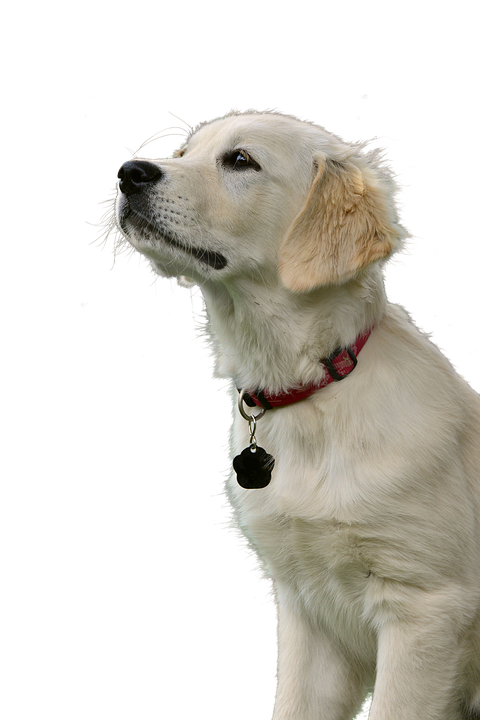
(357, 468)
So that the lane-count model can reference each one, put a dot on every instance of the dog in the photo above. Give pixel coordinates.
(357, 454)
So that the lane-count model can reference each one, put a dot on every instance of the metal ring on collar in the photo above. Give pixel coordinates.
(242, 409)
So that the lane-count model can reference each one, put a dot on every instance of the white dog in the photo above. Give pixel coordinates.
(367, 514)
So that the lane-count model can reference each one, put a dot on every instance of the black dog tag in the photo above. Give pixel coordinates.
(253, 467)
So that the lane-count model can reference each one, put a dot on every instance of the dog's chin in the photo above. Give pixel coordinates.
(146, 237)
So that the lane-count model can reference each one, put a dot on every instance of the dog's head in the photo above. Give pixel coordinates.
(260, 193)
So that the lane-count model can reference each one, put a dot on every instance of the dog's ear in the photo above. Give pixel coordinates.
(344, 225)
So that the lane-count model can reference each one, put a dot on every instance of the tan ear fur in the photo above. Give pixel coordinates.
(343, 227)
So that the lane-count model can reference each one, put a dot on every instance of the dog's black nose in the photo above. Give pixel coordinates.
(135, 174)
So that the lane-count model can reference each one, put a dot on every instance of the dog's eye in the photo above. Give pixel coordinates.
(239, 160)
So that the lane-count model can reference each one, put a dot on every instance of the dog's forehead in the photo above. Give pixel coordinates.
(269, 131)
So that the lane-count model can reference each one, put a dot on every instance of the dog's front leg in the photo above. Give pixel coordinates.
(315, 678)
(417, 669)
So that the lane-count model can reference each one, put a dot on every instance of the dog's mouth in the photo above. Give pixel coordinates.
(131, 219)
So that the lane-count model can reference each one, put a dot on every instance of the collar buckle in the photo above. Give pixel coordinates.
(338, 356)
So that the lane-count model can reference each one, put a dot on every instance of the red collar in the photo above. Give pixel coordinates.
(337, 366)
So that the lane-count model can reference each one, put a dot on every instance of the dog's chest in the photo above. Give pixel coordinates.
(321, 558)
(326, 564)
(313, 532)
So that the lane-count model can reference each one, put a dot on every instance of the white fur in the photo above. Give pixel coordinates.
(369, 528)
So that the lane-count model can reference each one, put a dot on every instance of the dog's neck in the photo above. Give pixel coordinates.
(268, 337)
